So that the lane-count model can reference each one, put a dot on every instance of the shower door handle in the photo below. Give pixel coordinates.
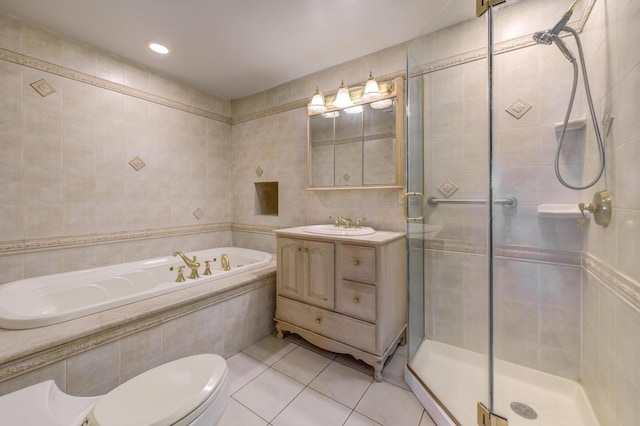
(405, 199)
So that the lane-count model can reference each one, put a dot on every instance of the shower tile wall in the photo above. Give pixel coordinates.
(610, 348)
(65, 168)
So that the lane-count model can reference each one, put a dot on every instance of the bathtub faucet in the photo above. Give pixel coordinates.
(193, 264)
(224, 261)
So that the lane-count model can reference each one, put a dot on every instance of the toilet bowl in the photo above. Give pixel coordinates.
(188, 391)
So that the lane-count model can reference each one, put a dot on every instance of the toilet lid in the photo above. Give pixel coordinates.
(162, 395)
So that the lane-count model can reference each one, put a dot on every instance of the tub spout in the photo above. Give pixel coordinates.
(224, 261)
(192, 264)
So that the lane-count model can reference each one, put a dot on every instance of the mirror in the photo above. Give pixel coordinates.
(358, 147)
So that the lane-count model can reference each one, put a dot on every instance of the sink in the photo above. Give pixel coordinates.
(333, 230)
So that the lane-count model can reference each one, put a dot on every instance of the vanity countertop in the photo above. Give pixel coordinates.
(378, 237)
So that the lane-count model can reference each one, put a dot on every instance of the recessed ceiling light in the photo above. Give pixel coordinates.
(157, 47)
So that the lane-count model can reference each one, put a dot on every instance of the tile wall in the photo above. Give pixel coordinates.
(65, 165)
(224, 328)
(610, 349)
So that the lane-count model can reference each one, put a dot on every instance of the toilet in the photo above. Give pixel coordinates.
(188, 391)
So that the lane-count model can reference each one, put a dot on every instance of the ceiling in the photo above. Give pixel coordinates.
(234, 48)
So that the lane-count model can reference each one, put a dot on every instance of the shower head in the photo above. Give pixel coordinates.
(552, 35)
(547, 36)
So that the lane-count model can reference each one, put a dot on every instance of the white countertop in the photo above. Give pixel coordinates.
(378, 237)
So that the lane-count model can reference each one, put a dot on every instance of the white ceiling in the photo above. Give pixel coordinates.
(234, 48)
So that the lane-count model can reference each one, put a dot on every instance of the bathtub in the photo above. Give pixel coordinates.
(51, 299)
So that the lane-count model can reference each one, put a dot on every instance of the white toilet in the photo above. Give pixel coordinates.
(188, 391)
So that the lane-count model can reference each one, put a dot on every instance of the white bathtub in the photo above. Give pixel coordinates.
(51, 299)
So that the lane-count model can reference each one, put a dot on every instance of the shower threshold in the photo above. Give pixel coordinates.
(459, 379)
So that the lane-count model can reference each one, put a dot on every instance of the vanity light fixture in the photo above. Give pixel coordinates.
(381, 104)
(351, 100)
(354, 109)
(343, 98)
(317, 106)
(371, 90)
(157, 47)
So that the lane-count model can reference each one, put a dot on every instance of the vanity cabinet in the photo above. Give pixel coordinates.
(343, 294)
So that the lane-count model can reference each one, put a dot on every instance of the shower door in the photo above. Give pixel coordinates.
(447, 160)
(495, 288)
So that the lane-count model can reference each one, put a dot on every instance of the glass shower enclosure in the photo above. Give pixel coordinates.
(494, 287)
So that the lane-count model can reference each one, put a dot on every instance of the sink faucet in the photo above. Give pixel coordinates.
(346, 220)
(193, 264)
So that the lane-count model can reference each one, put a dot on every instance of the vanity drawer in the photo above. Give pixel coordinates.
(356, 299)
(348, 330)
(358, 263)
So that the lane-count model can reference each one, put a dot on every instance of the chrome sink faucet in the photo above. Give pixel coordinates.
(192, 264)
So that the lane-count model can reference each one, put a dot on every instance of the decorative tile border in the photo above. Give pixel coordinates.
(61, 352)
(503, 47)
(45, 244)
(624, 287)
(38, 64)
(532, 254)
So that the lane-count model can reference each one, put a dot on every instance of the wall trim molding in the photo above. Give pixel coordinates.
(525, 253)
(45, 244)
(621, 285)
(499, 48)
(39, 64)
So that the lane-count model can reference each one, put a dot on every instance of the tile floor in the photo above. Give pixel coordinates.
(290, 382)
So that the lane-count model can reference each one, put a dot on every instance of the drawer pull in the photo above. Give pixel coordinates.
(317, 320)
(356, 300)
(302, 249)
(356, 262)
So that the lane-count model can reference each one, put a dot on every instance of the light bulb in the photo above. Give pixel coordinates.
(343, 98)
(371, 89)
(317, 106)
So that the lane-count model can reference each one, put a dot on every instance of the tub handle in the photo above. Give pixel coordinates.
(180, 273)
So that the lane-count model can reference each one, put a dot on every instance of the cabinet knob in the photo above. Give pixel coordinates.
(356, 262)
(317, 320)
(356, 300)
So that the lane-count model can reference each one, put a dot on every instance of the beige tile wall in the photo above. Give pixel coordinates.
(610, 351)
(65, 156)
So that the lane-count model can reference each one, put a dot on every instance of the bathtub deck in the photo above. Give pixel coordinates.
(22, 351)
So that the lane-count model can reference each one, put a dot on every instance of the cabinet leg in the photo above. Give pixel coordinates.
(279, 334)
(403, 339)
(377, 371)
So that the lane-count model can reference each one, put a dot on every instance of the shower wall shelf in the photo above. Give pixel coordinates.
(560, 211)
(575, 124)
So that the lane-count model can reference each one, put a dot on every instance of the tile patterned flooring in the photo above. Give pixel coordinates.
(290, 382)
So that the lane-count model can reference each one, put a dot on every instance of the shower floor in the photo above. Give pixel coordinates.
(459, 379)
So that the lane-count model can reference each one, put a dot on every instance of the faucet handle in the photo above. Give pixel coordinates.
(180, 273)
(336, 221)
(358, 220)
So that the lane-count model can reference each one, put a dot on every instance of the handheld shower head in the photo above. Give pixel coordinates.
(564, 48)
(548, 36)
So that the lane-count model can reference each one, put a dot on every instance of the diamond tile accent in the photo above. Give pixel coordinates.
(137, 163)
(447, 188)
(259, 171)
(346, 177)
(518, 108)
(198, 213)
(43, 87)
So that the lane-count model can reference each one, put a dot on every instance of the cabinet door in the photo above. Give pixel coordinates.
(318, 284)
(290, 268)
